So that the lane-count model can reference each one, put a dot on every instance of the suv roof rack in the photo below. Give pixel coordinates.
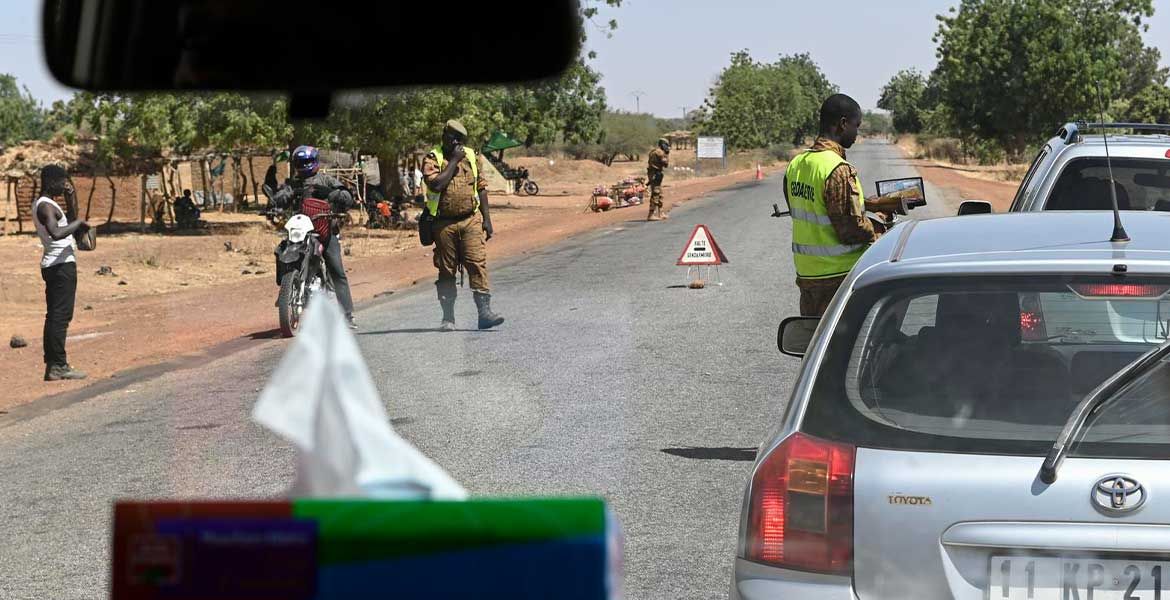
(1070, 132)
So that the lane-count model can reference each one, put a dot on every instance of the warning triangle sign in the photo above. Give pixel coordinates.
(701, 249)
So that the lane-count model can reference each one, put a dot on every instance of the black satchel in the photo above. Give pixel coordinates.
(426, 234)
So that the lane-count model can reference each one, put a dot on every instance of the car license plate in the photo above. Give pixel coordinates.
(1041, 578)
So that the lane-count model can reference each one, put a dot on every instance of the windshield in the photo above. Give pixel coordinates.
(1140, 183)
(568, 286)
(989, 365)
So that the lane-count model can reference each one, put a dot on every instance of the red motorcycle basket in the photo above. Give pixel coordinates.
(311, 207)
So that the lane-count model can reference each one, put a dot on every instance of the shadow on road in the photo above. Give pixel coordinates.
(720, 453)
(271, 334)
(420, 330)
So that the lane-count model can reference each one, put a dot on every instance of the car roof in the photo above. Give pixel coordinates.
(1019, 243)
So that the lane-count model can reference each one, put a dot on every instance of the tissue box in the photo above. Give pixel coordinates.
(353, 549)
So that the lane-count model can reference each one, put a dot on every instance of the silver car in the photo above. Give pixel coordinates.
(1070, 172)
(982, 413)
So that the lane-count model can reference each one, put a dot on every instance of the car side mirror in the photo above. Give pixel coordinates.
(795, 334)
(974, 207)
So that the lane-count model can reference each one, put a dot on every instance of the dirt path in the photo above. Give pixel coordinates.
(118, 332)
(964, 187)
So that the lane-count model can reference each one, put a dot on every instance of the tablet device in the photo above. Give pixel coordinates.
(909, 189)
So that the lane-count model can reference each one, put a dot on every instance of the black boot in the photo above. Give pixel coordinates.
(447, 292)
(487, 318)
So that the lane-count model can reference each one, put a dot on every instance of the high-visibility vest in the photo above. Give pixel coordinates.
(815, 248)
(433, 196)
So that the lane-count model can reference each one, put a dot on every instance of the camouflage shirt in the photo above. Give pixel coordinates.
(842, 198)
(659, 160)
(459, 197)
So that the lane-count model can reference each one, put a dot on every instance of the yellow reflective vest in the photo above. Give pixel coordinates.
(433, 196)
(815, 248)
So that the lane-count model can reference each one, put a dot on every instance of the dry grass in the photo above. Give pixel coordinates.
(948, 152)
(151, 253)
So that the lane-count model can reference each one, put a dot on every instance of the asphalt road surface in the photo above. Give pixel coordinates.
(609, 378)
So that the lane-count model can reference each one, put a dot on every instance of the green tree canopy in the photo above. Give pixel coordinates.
(21, 116)
(1013, 70)
(756, 105)
(628, 134)
(903, 97)
(1151, 105)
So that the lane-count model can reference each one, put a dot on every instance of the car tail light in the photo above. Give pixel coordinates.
(800, 514)
(1032, 326)
(1119, 290)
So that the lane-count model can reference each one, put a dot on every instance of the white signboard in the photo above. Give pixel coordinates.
(152, 182)
(710, 147)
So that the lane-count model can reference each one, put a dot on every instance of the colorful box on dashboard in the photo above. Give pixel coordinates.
(353, 549)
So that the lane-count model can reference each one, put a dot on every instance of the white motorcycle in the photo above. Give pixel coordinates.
(301, 267)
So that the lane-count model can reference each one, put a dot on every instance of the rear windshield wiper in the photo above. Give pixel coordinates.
(1093, 402)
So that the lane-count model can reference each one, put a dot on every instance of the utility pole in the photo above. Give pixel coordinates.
(637, 94)
(684, 110)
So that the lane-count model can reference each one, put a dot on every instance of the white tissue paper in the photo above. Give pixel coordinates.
(321, 399)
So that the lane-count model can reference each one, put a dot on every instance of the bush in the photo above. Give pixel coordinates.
(985, 152)
(783, 152)
(948, 149)
(582, 151)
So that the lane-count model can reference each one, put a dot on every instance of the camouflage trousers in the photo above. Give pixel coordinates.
(656, 196)
(816, 294)
(461, 242)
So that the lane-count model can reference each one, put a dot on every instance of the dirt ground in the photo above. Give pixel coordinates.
(996, 184)
(171, 295)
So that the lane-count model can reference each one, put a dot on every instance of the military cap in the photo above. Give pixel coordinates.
(456, 126)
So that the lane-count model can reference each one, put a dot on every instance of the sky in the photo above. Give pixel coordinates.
(666, 53)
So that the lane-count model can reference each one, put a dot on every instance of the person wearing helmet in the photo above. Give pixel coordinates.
(457, 203)
(308, 182)
(659, 160)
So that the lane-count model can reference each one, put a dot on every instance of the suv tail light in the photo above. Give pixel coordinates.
(801, 509)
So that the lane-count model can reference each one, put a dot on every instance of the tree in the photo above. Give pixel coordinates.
(1151, 105)
(902, 96)
(627, 134)
(876, 123)
(21, 116)
(814, 87)
(756, 105)
(1013, 70)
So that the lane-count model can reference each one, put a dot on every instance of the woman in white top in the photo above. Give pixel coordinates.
(58, 270)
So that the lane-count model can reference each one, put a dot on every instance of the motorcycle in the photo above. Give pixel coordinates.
(524, 185)
(300, 265)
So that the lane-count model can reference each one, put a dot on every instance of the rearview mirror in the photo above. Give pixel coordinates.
(795, 334)
(300, 45)
(974, 207)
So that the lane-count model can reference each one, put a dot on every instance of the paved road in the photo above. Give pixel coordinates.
(610, 377)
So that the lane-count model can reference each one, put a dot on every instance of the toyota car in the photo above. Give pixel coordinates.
(982, 413)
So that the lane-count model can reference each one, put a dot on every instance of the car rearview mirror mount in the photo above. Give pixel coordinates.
(795, 335)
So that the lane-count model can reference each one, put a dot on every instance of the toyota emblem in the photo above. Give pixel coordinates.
(1117, 495)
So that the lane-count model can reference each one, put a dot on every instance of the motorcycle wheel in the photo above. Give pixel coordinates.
(289, 306)
(531, 188)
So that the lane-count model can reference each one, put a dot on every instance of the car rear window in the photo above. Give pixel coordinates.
(1141, 184)
(992, 365)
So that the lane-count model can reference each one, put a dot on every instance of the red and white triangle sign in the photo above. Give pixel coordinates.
(701, 249)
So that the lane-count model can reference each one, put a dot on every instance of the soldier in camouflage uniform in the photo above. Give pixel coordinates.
(457, 199)
(657, 164)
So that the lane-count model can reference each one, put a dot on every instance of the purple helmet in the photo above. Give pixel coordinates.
(305, 161)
